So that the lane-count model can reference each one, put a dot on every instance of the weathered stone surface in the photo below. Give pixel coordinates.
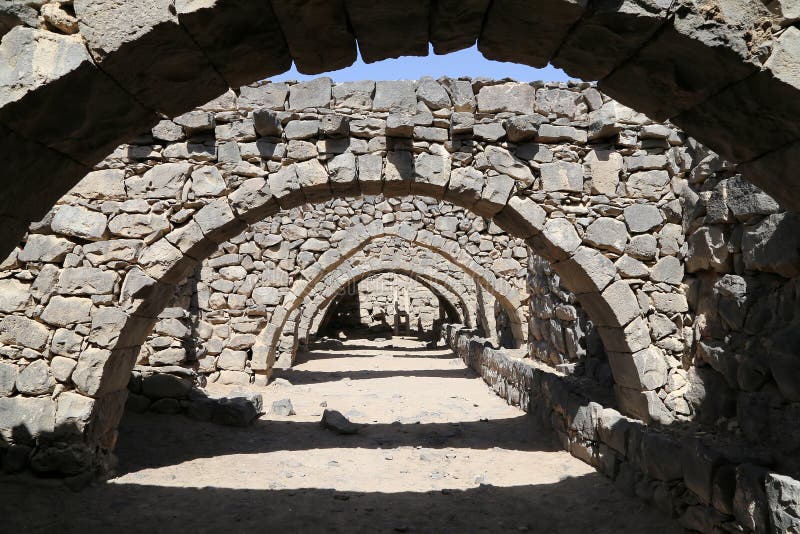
(356, 95)
(35, 379)
(562, 176)
(389, 30)
(518, 32)
(651, 185)
(432, 94)
(63, 311)
(282, 407)
(23, 419)
(8, 378)
(335, 421)
(644, 370)
(86, 281)
(180, 69)
(196, 122)
(549, 133)
(750, 500)
(524, 128)
(270, 96)
(165, 386)
(46, 248)
(79, 222)
(313, 94)
(605, 167)
(783, 495)
(235, 36)
(587, 271)
(240, 409)
(104, 184)
(772, 246)
(62, 368)
(607, 234)
(642, 217)
(395, 97)
(14, 296)
(511, 97)
(16, 330)
(669, 270)
(784, 363)
(506, 163)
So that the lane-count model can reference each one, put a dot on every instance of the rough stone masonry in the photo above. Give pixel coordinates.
(654, 270)
(701, 64)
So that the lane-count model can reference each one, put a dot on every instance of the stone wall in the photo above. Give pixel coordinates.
(708, 484)
(469, 169)
(742, 264)
(381, 297)
(220, 314)
(561, 334)
(701, 65)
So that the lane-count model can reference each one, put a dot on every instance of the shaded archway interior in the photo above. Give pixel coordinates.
(346, 313)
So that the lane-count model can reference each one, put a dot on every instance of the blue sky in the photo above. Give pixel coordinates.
(468, 62)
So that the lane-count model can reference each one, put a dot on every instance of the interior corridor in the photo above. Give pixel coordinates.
(435, 451)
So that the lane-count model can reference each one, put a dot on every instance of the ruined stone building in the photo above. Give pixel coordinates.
(618, 259)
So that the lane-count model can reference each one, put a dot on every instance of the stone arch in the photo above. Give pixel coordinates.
(298, 321)
(104, 366)
(360, 236)
(610, 303)
(493, 185)
(311, 324)
(441, 285)
(728, 80)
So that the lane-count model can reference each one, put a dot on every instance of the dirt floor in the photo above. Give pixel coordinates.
(437, 452)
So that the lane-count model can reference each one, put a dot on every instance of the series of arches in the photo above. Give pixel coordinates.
(703, 68)
(341, 261)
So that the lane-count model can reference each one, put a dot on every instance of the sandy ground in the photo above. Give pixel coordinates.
(438, 452)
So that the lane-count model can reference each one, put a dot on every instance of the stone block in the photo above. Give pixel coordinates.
(86, 281)
(522, 217)
(45, 248)
(175, 78)
(36, 100)
(264, 96)
(24, 419)
(398, 173)
(76, 221)
(35, 379)
(641, 218)
(587, 271)
(750, 504)
(388, 30)
(783, 502)
(511, 97)
(431, 174)
(356, 95)
(519, 32)
(607, 234)
(456, 24)
(64, 311)
(159, 386)
(395, 97)
(607, 36)
(242, 39)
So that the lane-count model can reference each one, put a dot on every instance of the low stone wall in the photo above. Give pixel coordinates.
(708, 485)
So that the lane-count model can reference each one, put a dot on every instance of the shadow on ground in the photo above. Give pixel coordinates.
(300, 377)
(574, 505)
(174, 439)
